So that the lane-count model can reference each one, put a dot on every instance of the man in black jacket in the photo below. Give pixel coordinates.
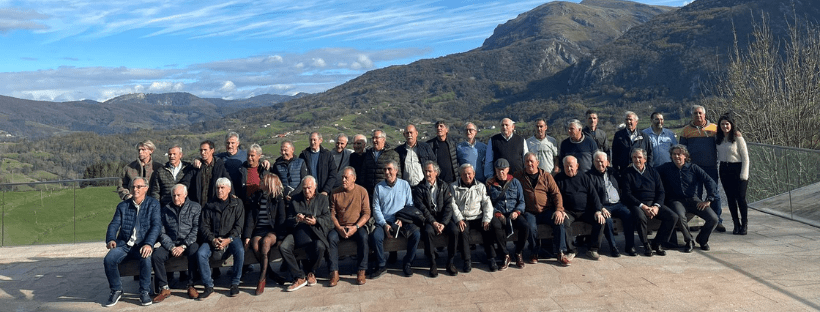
(308, 221)
(180, 226)
(320, 164)
(444, 148)
(581, 203)
(165, 178)
(221, 232)
(201, 183)
(376, 159)
(628, 139)
(412, 154)
(434, 198)
(606, 180)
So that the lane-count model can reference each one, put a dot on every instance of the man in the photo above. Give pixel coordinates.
(544, 205)
(661, 138)
(341, 157)
(473, 210)
(376, 159)
(699, 137)
(545, 147)
(233, 157)
(308, 222)
(643, 192)
(607, 184)
(143, 167)
(578, 145)
(357, 157)
(167, 177)
(201, 183)
(507, 197)
(444, 148)
(349, 211)
(320, 164)
(291, 170)
(507, 145)
(412, 154)
(628, 139)
(131, 235)
(472, 152)
(391, 196)
(596, 133)
(681, 179)
(221, 230)
(180, 227)
(581, 202)
(434, 198)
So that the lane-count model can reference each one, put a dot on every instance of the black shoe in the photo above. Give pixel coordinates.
(433, 270)
(393, 257)
(493, 265)
(743, 230)
(659, 250)
(614, 252)
(720, 228)
(647, 251)
(468, 266)
(378, 272)
(114, 298)
(704, 247)
(451, 269)
(145, 299)
(690, 245)
(208, 291)
(631, 252)
(408, 270)
(234, 290)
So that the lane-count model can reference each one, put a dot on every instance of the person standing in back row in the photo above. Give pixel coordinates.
(734, 170)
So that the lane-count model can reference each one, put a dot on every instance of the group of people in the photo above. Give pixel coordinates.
(222, 204)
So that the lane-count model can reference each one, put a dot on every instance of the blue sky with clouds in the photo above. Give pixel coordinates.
(63, 50)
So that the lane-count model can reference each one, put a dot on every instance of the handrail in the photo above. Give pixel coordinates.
(784, 147)
(59, 181)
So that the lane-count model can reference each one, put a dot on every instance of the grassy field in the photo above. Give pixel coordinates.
(48, 216)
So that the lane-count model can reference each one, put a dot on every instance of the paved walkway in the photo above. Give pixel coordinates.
(774, 268)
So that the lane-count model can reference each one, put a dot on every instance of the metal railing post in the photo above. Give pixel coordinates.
(789, 185)
(3, 226)
(75, 212)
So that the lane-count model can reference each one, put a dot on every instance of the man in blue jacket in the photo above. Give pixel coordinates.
(131, 235)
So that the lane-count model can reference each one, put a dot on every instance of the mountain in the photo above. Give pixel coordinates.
(155, 111)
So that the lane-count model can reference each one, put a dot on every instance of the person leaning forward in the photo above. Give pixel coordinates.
(308, 221)
(349, 212)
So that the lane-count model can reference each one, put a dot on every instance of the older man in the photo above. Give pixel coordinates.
(628, 139)
(544, 206)
(545, 147)
(376, 159)
(507, 198)
(308, 222)
(391, 196)
(661, 138)
(341, 157)
(581, 202)
(578, 145)
(221, 232)
(434, 198)
(357, 157)
(291, 170)
(507, 145)
(681, 179)
(607, 184)
(472, 151)
(412, 154)
(131, 235)
(180, 227)
(143, 167)
(167, 177)
(201, 183)
(233, 157)
(444, 148)
(596, 133)
(349, 211)
(699, 137)
(643, 192)
(473, 210)
(320, 164)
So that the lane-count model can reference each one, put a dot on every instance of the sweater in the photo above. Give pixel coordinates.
(512, 149)
(389, 199)
(578, 192)
(701, 143)
(581, 150)
(735, 152)
(347, 208)
(681, 184)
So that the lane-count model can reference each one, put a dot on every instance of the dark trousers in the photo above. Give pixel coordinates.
(430, 232)
(161, 255)
(489, 237)
(519, 226)
(691, 206)
(588, 217)
(558, 231)
(712, 171)
(377, 244)
(620, 211)
(315, 249)
(668, 220)
(360, 236)
(735, 190)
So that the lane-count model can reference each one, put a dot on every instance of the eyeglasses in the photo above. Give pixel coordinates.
(470, 130)
(140, 186)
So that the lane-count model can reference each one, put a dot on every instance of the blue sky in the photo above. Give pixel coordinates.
(57, 50)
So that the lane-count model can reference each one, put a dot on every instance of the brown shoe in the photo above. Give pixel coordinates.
(533, 259)
(163, 294)
(506, 264)
(260, 288)
(299, 283)
(360, 277)
(311, 279)
(334, 279)
(519, 260)
(192, 293)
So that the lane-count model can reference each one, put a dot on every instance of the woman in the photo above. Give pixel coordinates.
(734, 170)
(264, 225)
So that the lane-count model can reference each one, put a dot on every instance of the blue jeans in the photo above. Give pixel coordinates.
(235, 248)
(620, 211)
(712, 171)
(558, 231)
(377, 244)
(361, 252)
(112, 271)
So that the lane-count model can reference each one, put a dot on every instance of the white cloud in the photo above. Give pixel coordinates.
(228, 87)
(19, 19)
(165, 86)
(317, 62)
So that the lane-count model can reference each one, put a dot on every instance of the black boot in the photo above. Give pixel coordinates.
(743, 228)
(736, 229)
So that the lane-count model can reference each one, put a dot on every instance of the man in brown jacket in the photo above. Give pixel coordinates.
(349, 210)
(543, 206)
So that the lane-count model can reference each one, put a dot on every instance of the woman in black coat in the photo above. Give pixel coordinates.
(264, 225)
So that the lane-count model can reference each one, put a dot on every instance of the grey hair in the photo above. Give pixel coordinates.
(380, 134)
(178, 185)
(346, 168)
(393, 163)
(528, 154)
(256, 148)
(465, 166)
(175, 146)
(318, 135)
(599, 153)
(683, 150)
(223, 182)
(288, 142)
(638, 149)
(232, 135)
(630, 113)
(341, 135)
(575, 122)
(131, 184)
(308, 177)
(435, 166)
(364, 138)
(567, 158)
(697, 107)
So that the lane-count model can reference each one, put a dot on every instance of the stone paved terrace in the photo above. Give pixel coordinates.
(774, 268)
